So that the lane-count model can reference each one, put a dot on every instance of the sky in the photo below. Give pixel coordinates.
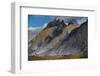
(37, 21)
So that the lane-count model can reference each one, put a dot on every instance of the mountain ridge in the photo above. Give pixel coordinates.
(57, 38)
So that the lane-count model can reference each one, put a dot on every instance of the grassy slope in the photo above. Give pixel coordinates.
(76, 56)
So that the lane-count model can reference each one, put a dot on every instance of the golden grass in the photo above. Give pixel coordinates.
(31, 58)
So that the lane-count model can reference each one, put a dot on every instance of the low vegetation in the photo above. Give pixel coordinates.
(76, 56)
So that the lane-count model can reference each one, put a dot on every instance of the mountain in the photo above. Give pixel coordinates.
(76, 41)
(59, 39)
(33, 31)
(32, 34)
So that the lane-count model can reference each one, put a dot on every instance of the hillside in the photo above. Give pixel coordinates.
(59, 39)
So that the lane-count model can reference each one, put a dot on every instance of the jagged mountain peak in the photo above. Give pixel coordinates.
(56, 22)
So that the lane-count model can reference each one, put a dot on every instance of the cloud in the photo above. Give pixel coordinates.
(82, 20)
(37, 28)
(60, 17)
(45, 24)
(67, 19)
(33, 28)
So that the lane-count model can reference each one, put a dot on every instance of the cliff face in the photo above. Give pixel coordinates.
(60, 39)
(77, 40)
